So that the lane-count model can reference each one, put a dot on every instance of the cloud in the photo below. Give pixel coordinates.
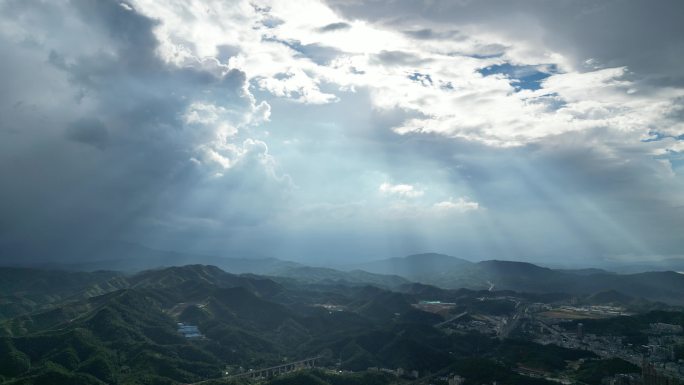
(429, 33)
(462, 204)
(498, 110)
(334, 27)
(399, 58)
(298, 86)
(457, 100)
(225, 127)
(172, 136)
(89, 131)
(400, 190)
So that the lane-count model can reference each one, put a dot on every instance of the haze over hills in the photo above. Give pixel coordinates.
(451, 272)
(123, 256)
(430, 268)
(131, 257)
(417, 265)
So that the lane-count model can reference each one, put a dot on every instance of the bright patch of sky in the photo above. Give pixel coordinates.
(289, 129)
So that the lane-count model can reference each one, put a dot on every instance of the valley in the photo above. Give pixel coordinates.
(200, 324)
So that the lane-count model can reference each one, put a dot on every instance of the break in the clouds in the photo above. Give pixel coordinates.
(323, 131)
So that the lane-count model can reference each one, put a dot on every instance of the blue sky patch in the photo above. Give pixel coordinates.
(655, 136)
(522, 77)
(424, 79)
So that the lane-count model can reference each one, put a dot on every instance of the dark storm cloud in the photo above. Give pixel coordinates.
(130, 31)
(90, 131)
(646, 36)
(108, 89)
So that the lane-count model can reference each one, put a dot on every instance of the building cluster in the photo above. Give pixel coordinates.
(455, 380)
(399, 372)
(657, 358)
(452, 379)
(623, 379)
(650, 375)
(483, 324)
(663, 328)
(547, 324)
(437, 307)
(570, 312)
(477, 325)
(331, 307)
(189, 331)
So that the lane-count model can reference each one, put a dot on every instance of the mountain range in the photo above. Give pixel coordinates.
(113, 328)
(94, 328)
(453, 273)
(434, 269)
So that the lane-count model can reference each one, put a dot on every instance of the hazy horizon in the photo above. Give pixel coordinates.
(333, 132)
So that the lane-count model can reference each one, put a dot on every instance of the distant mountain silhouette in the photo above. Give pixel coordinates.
(453, 273)
(430, 268)
(609, 297)
(307, 274)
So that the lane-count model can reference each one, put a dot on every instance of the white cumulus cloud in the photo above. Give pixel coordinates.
(462, 204)
(400, 190)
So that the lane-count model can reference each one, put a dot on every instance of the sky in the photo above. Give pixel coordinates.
(342, 131)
